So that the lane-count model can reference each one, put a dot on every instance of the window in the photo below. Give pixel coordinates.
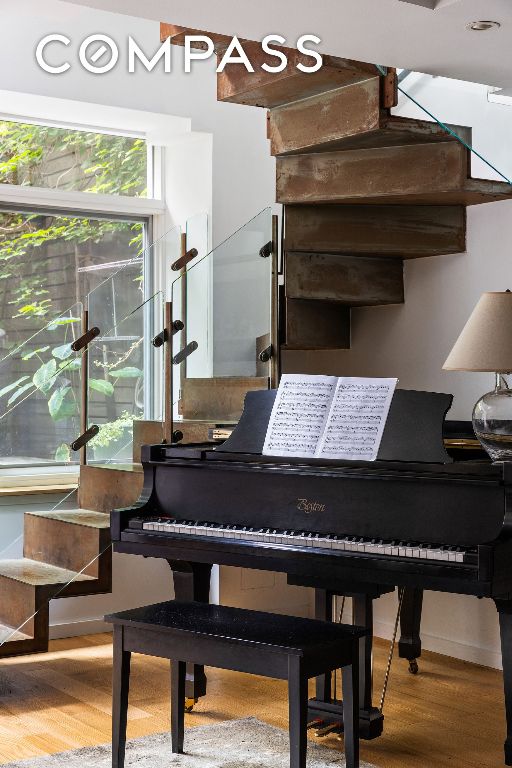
(51, 258)
(56, 158)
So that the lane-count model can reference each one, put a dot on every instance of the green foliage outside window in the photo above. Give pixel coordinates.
(41, 156)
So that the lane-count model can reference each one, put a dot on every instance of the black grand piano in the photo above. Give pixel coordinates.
(417, 518)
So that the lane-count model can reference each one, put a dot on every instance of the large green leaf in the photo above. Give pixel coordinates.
(19, 392)
(10, 387)
(62, 352)
(59, 407)
(100, 385)
(44, 377)
(126, 373)
(62, 321)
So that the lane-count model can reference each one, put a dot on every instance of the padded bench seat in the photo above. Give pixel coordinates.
(272, 645)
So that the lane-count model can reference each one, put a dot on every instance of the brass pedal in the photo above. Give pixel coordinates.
(329, 729)
(189, 704)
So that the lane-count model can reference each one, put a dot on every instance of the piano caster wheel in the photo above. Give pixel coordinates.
(189, 704)
(413, 667)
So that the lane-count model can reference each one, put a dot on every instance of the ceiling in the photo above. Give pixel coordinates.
(424, 35)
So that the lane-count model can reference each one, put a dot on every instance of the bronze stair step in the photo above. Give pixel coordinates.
(78, 540)
(12, 635)
(104, 487)
(270, 89)
(349, 118)
(220, 398)
(407, 231)
(316, 325)
(36, 574)
(85, 517)
(355, 281)
(432, 174)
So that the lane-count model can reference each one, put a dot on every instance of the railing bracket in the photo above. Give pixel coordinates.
(184, 260)
(86, 339)
(84, 439)
(267, 250)
(185, 352)
(163, 336)
(266, 354)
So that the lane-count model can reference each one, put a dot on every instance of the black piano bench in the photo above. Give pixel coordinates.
(282, 647)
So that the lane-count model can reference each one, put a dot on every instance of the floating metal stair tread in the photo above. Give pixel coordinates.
(39, 574)
(85, 517)
(392, 133)
(12, 635)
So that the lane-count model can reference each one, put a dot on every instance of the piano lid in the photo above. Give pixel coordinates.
(413, 431)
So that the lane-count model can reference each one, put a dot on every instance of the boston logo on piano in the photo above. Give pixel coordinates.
(304, 505)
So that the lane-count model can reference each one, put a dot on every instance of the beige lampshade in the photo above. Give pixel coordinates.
(485, 343)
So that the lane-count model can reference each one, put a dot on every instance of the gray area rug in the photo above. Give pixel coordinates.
(247, 743)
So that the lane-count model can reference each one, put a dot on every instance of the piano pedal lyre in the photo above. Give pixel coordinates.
(336, 727)
(189, 704)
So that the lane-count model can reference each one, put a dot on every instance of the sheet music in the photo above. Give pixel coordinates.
(299, 415)
(329, 417)
(357, 418)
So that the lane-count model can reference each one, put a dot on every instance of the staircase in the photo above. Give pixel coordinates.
(60, 558)
(66, 553)
(362, 189)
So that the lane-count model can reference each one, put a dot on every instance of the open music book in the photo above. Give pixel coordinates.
(329, 417)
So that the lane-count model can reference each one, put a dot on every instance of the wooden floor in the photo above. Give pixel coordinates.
(451, 714)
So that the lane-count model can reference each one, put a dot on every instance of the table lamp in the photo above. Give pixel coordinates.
(485, 344)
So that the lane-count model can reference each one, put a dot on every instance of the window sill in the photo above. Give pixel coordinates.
(24, 481)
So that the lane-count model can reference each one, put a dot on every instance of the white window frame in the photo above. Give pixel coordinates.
(156, 129)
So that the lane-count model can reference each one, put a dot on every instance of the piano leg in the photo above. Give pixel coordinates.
(371, 719)
(192, 582)
(323, 707)
(505, 615)
(409, 646)
(323, 611)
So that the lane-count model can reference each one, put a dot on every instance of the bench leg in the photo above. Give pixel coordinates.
(120, 689)
(298, 712)
(350, 681)
(178, 669)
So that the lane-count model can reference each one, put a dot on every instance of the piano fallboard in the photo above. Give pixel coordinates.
(425, 503)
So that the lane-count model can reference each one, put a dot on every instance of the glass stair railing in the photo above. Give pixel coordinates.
(223, 304)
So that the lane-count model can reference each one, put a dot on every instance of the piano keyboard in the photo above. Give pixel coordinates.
(321, 541)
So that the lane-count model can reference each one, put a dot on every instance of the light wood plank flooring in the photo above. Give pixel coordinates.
(451, 714)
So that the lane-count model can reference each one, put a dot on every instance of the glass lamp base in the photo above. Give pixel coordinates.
(492, 421)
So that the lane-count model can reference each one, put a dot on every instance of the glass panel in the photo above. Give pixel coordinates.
(40, 396)
(58, 158)
(120, 384)
(463, 111)
(47, 263)
(125, 370)
(226, 299)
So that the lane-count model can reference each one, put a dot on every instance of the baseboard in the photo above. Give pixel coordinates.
(77, 628)
(383, 629)
(486, 657)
